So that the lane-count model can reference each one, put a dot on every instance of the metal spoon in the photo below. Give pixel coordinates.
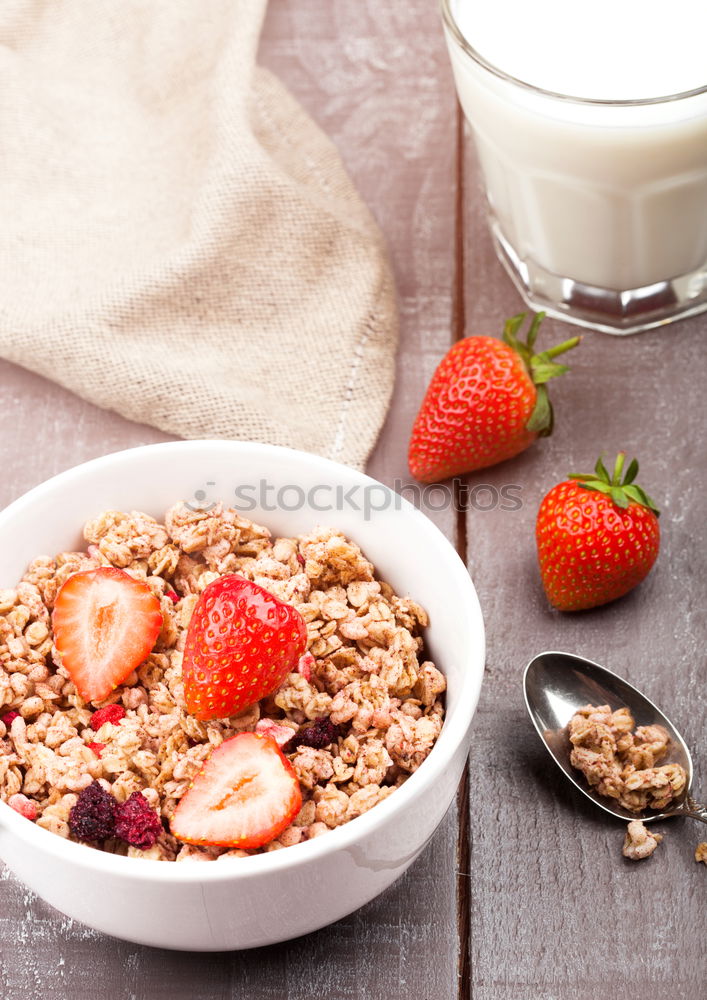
(556, 684)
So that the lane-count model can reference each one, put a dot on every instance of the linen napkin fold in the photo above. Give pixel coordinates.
(179, 242)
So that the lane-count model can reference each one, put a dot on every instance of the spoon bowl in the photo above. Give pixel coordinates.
(557, 684)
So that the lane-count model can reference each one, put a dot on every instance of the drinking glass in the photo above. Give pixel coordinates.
(598, 208)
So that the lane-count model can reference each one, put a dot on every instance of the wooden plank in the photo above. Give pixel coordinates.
(376, 79)
(48, 430)
(556, 911)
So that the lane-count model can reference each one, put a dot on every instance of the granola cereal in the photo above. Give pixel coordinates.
(364, 674)
(621, 762)
(639, 842)
(701, 852)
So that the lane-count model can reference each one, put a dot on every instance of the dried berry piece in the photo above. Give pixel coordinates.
(93, 816)
(136, 822)
(24, 806)
(172, 595)
(320, 734)
(9, 717)
(111, 713)
(96, 747)
(305, 665)
(281, 734)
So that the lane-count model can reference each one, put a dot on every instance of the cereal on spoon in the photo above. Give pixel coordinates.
(621, 761)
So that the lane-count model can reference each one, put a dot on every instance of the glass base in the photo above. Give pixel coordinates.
(600, 308)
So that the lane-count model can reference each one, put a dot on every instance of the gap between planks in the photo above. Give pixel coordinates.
(463, 854)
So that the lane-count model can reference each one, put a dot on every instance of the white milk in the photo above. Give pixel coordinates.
(609, 196)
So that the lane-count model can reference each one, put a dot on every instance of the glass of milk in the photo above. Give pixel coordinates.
(590, 122)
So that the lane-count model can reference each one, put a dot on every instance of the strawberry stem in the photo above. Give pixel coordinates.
(618, 468)
(622, 491)
(534, 327)
(566, 345)
(540, 367)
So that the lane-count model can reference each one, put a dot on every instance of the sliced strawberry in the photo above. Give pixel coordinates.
(241, 643)
(105, 624)
(244, 796)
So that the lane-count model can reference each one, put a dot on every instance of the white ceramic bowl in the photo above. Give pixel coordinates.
(257, 900)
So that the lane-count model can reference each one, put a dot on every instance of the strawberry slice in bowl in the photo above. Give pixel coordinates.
(244, 796)
(105, 624)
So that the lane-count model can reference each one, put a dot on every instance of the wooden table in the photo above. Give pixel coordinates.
(523, 892)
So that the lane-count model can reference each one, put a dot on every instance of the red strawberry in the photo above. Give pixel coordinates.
(241, 643)
(105, 624)
(487, 402)
(244, 796)
(597, 536)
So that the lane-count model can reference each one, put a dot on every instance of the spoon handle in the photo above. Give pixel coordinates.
(697, 811)
(692, 809)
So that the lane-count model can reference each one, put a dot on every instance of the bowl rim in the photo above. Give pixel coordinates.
(340, 838)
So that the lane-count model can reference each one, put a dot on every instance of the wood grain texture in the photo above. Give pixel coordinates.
(556, 911)
(377, 81)
(47, 429)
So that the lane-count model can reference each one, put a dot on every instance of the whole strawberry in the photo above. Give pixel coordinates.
(241, 643)
(597, 535)
(487, 402)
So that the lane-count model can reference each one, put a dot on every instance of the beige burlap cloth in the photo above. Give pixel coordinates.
(178, 241)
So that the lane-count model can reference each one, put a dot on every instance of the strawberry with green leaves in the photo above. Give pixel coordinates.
(597, 537)
(487, 402)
